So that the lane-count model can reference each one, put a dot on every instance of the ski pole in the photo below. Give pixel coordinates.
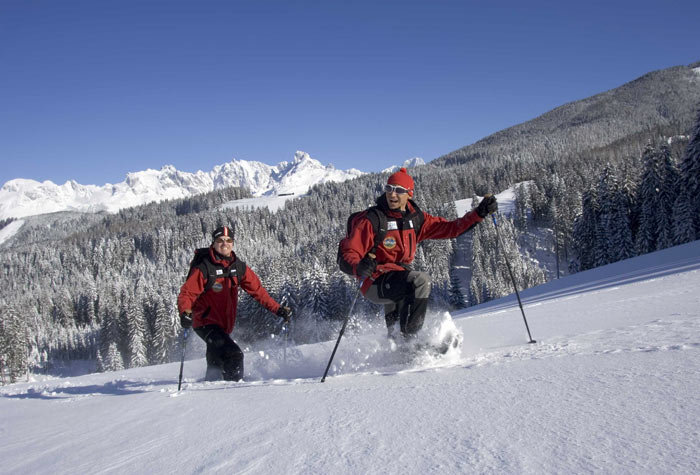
(185, 332)
(510, 271)
(285, 330)
(342, 330)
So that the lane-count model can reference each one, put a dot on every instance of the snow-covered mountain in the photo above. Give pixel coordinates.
(410, 163)
(611, 386)
(22, 197)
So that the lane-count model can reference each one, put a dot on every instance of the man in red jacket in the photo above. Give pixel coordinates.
(208, 301)
(388, 278)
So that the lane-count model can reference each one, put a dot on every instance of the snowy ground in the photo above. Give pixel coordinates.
(611, 386)
(506, 202)
(10, 230)
(273, 203)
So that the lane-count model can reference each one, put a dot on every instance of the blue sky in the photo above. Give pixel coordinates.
(91, 90)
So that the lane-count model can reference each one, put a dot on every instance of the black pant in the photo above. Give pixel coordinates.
(405, 298)
(222, 353)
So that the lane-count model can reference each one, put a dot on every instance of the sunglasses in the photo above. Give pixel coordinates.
(224, 240)
(399, 190)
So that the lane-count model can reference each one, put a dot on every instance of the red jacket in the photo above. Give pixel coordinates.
(399, 245)
(217, 306)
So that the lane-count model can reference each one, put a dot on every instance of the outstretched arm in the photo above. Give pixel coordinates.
(435, 227)
(439, 228)
(250, 282)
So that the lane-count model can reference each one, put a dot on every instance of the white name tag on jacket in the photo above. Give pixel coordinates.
(391, 225)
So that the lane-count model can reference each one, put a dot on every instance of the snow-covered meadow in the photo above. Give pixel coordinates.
(612, 385)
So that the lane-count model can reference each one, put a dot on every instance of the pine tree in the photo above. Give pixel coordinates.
(457, 300)
(164, 333)
(690, 176)
(649, 203)
(603, 244)
(667, 194)
(109, 330)
(13, 343)
(682, 219)
(522, 204)
(614, 218)
(621, 240)
(113, 360)
(136, 328)
(586, 231)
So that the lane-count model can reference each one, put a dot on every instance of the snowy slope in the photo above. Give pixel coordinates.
(22, 197)
(273, 203)
(611, 386)
(10, 230)
(506, 202)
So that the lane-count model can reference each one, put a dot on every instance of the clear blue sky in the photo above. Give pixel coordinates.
(90, 90)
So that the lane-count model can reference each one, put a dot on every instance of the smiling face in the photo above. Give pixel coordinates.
(224, 246)
(396, 197)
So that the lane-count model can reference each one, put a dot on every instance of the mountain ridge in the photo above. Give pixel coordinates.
(22, 197)
(658, 98)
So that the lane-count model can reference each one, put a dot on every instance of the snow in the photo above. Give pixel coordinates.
(273, 203)
(612, 385)
(410, 163)
(506, 202)
(697, 70)
(22, 197)
(10, 230)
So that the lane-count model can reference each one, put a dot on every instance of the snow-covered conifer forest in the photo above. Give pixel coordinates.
(594, 182)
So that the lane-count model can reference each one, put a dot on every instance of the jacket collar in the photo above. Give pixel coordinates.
(218, 259)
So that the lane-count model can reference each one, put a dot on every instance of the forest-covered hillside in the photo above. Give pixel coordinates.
(664, 100)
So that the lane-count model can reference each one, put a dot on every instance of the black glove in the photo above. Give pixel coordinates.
(488, 205)
(285, 313)
(366, 267)
(186, 319)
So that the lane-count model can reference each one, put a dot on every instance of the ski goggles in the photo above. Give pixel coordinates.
(223, 240)
(399, 190)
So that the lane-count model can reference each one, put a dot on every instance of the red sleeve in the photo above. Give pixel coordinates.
(359, 243)
(435, 227)
(190, 290)
(251, 284)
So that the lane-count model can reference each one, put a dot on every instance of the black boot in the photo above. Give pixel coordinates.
(233, 363)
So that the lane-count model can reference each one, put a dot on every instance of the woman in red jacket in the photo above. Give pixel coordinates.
(208, 300)
(388, 278)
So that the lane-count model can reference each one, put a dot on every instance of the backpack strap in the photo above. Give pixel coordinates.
(379, 224)
(417, 218)
(209, 271)
(237, 270)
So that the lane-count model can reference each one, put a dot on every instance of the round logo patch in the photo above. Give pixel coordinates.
(217, 287)
(389, 243)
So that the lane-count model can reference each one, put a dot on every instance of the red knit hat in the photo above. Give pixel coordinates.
(402, 178)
